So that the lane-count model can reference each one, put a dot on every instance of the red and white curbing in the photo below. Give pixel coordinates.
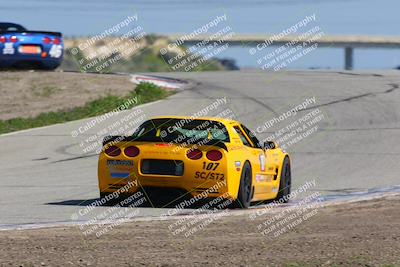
(168, 83)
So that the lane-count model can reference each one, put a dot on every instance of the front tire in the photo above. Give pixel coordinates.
(285, 182)
(245, 188)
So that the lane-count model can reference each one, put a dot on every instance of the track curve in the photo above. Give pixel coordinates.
(45, 175)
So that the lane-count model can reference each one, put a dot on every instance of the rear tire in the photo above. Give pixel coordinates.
(245, 188)
(48, 67)
(285, 182)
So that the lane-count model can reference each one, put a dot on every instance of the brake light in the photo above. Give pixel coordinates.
(112, 151)
(3, 39)
(13, 39)
(56, 41)
(46, 40)
(163, 144)
(131, 151)
(194, 154)
(214, 155)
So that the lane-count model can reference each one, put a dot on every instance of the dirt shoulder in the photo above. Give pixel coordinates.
(364, 233)
(29, 93)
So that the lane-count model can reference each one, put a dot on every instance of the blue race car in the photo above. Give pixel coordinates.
(34, 49)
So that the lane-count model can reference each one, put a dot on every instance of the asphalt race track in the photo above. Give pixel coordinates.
(46, 176)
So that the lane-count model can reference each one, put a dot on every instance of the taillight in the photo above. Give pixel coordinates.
(3, 39)
(194, 154)
(13, 39)
(56, 41)
(214, 155)
(46, 40)
(131, 151)
(112, 151)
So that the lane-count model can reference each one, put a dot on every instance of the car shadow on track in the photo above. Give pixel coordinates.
(97, 203)
(75, 202)
(148, 203)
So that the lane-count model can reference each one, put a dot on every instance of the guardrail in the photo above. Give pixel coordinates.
(349, 43)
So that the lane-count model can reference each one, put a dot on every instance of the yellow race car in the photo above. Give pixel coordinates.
(200, 158)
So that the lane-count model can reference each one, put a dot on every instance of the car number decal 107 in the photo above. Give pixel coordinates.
(210, 166)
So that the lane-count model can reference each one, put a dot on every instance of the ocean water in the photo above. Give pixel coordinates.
(339, 17)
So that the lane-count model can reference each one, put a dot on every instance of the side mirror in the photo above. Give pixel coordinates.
(270, 145)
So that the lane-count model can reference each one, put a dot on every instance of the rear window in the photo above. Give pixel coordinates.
(181, 131)
(11, 27)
